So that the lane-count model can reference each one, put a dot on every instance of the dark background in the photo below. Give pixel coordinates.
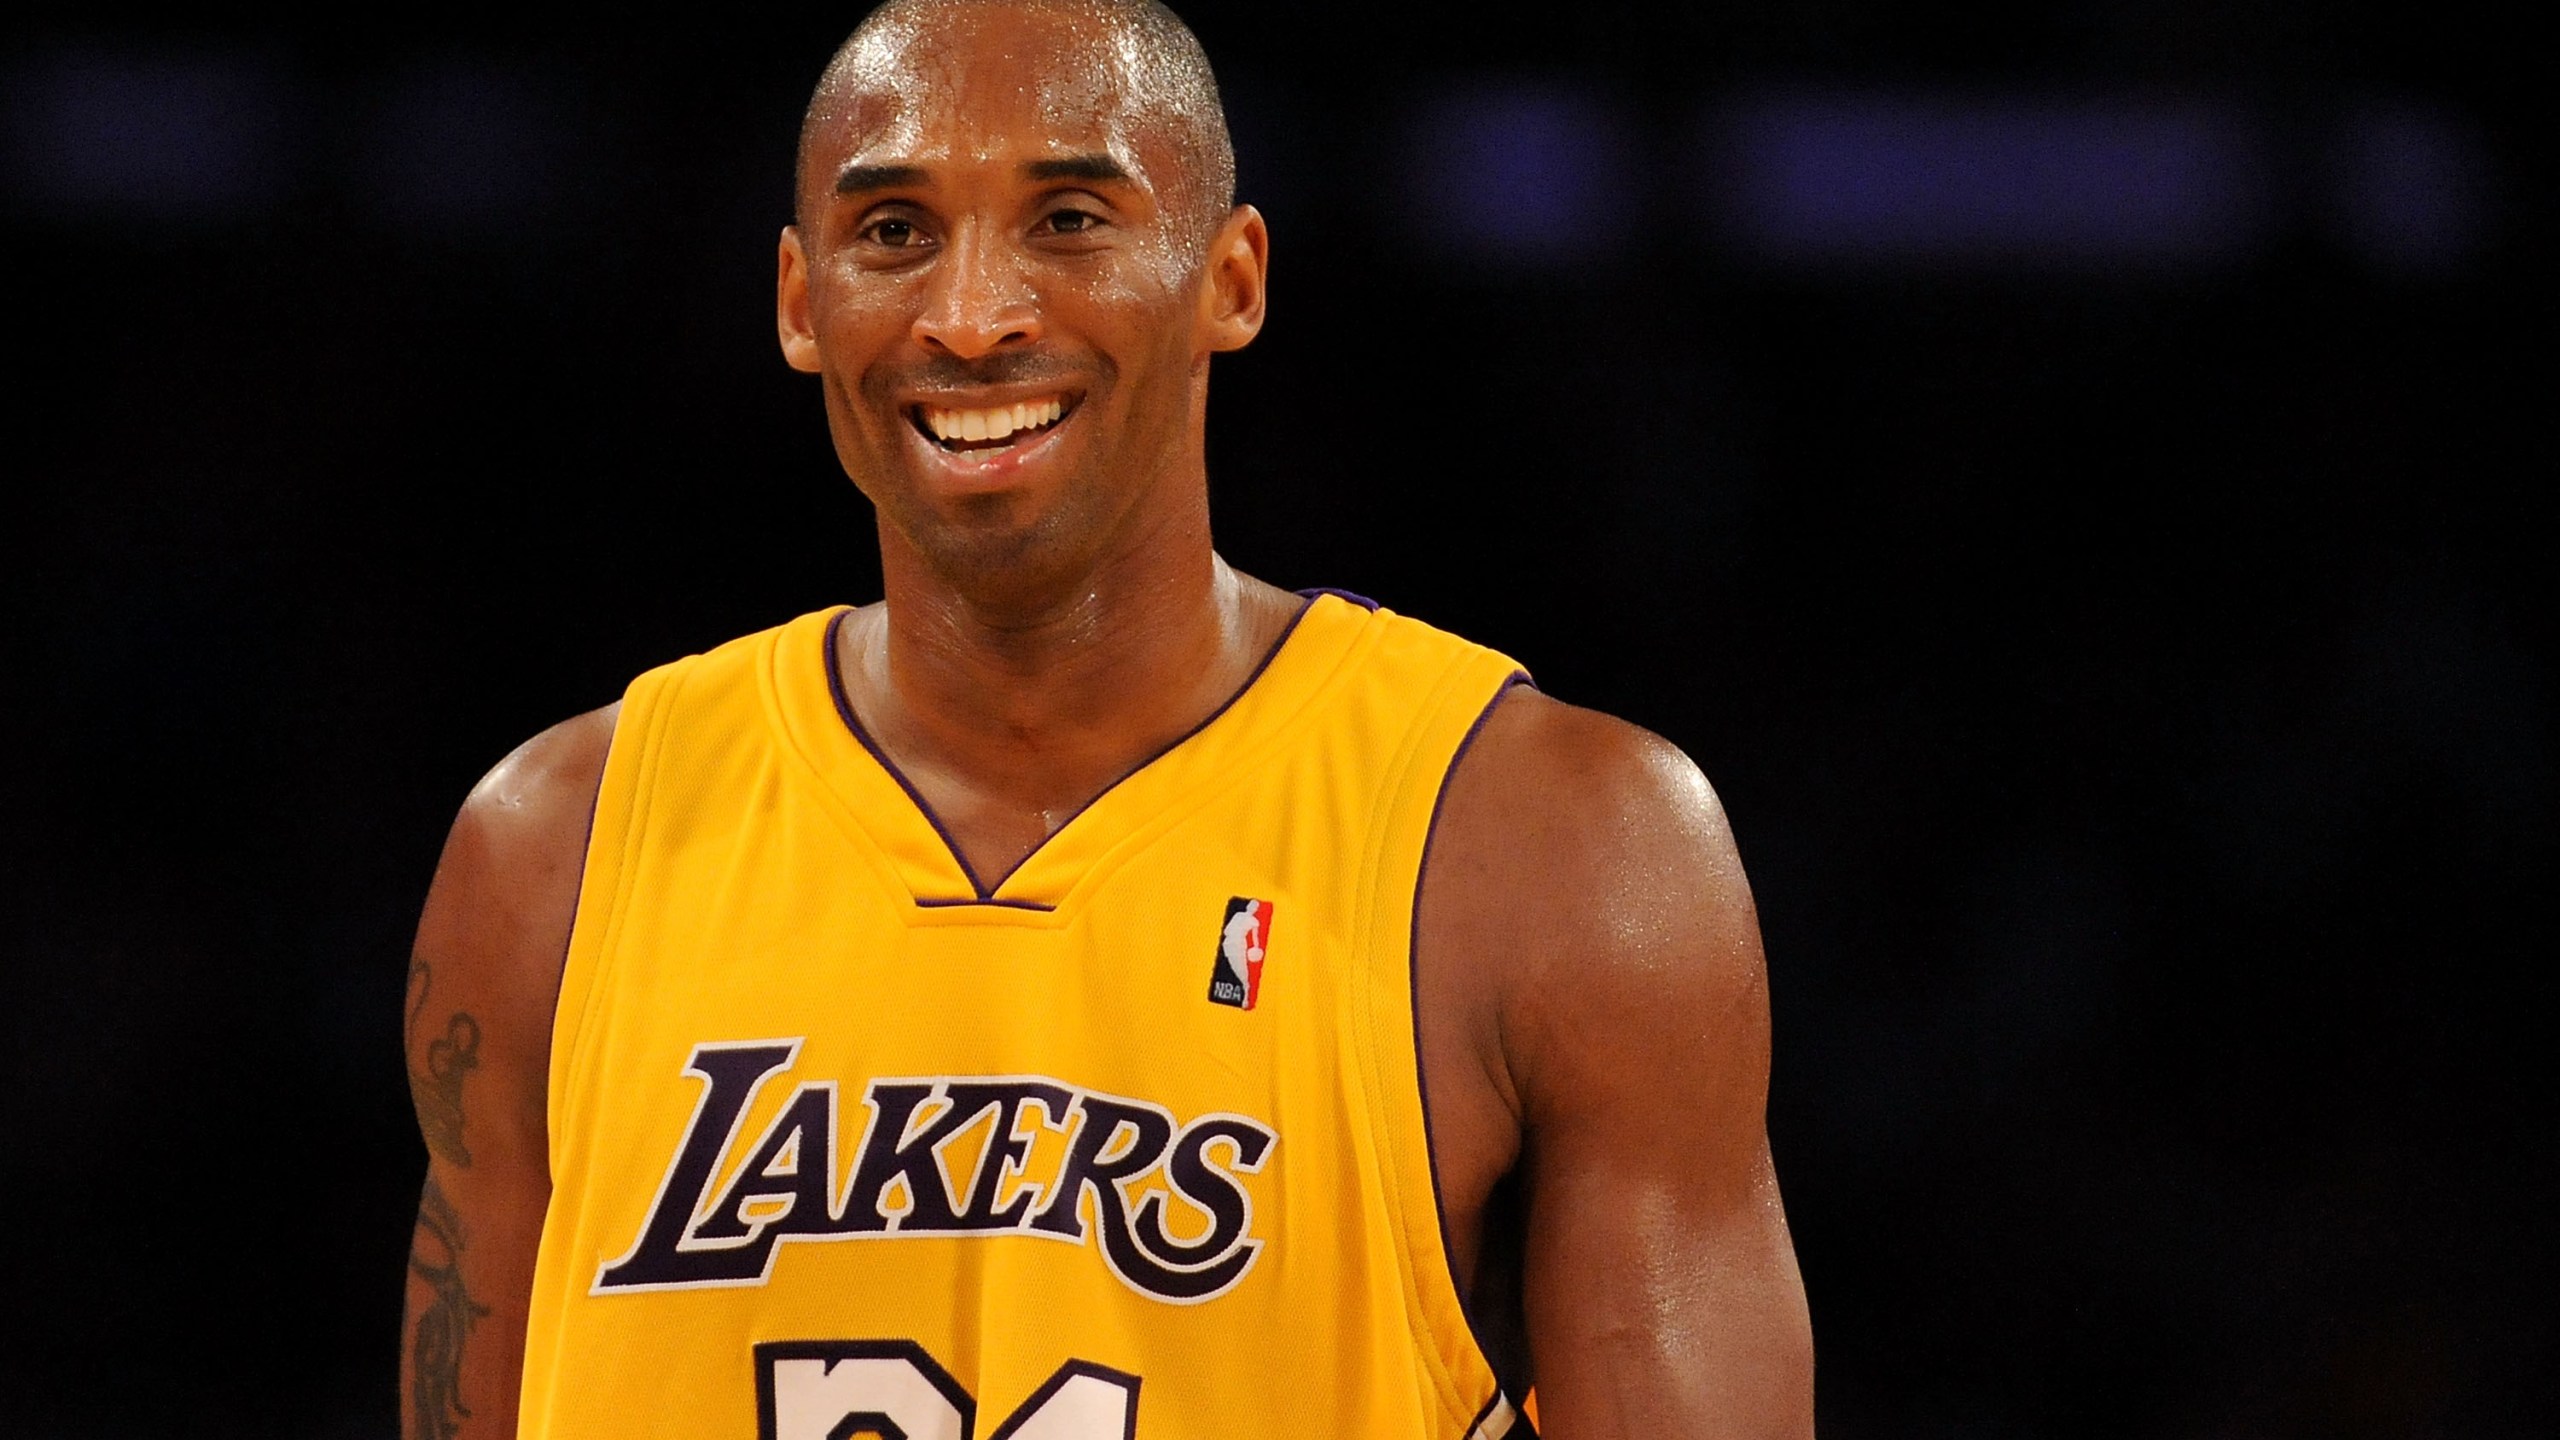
(2074, 474)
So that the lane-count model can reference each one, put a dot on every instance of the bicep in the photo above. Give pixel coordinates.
(1662, 1297)
(1660, 1285)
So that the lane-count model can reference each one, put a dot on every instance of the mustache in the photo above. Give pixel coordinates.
(950, 372)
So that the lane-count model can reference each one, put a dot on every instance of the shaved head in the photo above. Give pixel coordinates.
(1016, 249)
(1145, 60)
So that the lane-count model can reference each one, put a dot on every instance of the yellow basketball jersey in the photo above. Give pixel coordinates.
(1127, 1143)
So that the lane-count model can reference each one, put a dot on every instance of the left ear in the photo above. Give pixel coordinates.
(1234, 280)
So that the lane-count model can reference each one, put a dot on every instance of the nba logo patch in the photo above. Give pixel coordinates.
(1235, 978)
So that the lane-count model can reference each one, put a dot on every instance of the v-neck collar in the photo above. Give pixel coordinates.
(919, 847)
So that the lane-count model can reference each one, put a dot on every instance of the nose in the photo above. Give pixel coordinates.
(977, 300)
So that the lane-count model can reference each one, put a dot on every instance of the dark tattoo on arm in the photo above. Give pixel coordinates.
(436, 1410)
(436, 1075)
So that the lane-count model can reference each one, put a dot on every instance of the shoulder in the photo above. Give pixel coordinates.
(541, 795)
(511, 863)
(1587, 880)
(1610, 807)
(496, 925)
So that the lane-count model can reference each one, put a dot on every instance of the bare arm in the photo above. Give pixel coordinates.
(1594, 988)
(482, 983)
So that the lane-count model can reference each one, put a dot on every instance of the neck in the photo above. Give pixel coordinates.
(1011, 710)
(1099, 647)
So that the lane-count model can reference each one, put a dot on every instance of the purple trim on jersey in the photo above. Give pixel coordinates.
(586, 846)
(985, 894)
(1413, 962)
(595, 804)
(982, 904)
(1363, 601)
(844, 709)
(1519, 1419)
(1223, 707)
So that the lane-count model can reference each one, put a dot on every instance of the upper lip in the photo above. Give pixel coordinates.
(990, 397)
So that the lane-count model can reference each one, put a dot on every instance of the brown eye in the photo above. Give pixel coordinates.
(895, 233)
(1072, 222)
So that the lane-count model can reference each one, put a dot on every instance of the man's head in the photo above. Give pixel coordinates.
(1159, 62)
(1016, 249)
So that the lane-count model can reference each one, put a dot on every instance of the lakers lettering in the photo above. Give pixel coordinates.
(1041, 1145)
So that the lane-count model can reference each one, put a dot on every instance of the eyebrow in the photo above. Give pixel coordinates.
(857, 179)
(1076, 167)
(862, 179)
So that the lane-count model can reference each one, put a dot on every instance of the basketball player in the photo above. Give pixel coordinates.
(1091, 993)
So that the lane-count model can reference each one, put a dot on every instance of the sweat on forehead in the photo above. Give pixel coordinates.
(1154, 61)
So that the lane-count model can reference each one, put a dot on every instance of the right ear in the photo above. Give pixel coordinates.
(1237, 280)
(791, 305)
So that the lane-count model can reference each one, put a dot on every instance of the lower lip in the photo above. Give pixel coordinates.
(990, 467)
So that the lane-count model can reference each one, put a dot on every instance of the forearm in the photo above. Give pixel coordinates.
(463, 1324)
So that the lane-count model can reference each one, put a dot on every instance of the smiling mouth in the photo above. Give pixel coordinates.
(985, 431)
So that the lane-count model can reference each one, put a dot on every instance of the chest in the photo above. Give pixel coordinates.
(803, 1051)
(1149, 1097)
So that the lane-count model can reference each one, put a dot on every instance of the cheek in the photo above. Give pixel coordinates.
(860, 445)
(1157, 277)
(1140, 318)
(858, 335)
(860, 325)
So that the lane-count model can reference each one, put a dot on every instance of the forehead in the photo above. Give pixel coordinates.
(968, 85)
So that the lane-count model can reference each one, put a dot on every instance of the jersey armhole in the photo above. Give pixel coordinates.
(613, 846)
(1442, 733)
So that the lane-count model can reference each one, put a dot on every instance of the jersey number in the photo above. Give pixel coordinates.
(837, 1389)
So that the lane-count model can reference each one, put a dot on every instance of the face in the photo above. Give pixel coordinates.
(1001, 280)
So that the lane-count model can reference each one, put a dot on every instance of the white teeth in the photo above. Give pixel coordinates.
(994, 424)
